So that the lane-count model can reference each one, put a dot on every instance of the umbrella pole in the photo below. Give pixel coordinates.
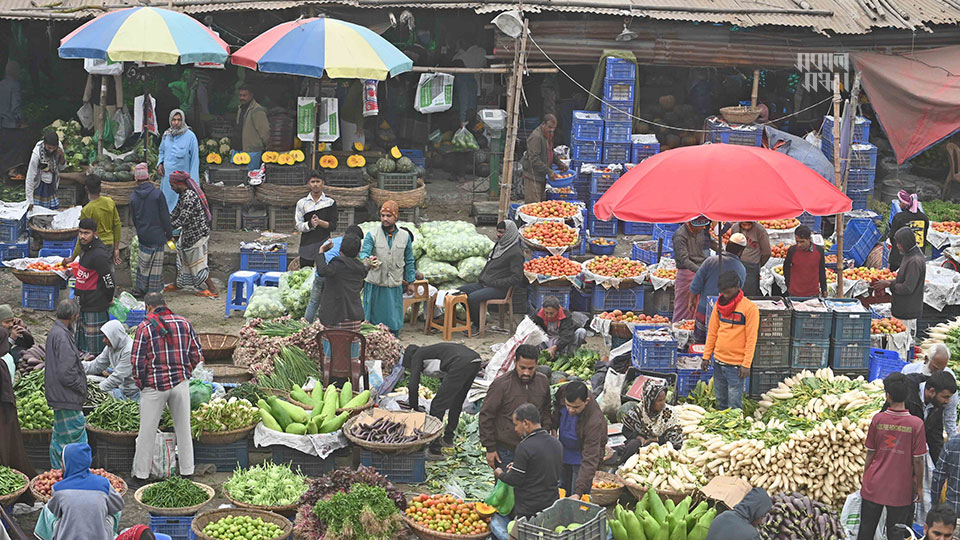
(316, 132)
(839, 179)
(103, 113)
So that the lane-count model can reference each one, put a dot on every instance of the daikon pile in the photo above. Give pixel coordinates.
(663, 468)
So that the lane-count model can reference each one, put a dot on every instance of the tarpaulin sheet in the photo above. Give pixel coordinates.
(915, 96)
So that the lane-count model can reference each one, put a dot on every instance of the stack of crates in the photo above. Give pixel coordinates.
(810, 333)
(862, 159)
(586, 137)
(600, 182)
(619, 86)
(719, 131)
(850, 338)
(14, 244)
(771, 359)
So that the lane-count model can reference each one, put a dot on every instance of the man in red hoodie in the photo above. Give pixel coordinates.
(803, 269)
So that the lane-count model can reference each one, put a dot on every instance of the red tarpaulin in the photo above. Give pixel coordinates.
(915, 96)
(724, 182)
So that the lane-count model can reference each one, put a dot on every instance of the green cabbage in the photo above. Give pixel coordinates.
(295, 290)
(457, 247)
(434, 228)
(265, 304)
(469, 269)
(436, 271)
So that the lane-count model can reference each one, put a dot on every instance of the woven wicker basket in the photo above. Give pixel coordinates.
(426, 534)
(73, 177)
(639, 491)
(229, 194)
(36, 436)
(356, 196)
(740, 114)
(432, 425)
(213, 516)
(10, 498)
(226, 437)
(404, 199)
(225, 373)
(185, 511)
(217, 348)
(606, 497)
(33, 277)
(44, 498)
(283, 510)
(123, 438)
(275, 195)
(118, 191)
(52, 234)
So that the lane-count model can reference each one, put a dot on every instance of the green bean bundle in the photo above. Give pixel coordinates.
(116, 415)
(10, 480)
(174, 492)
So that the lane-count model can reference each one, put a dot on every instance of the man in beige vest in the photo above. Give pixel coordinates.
(390, 252)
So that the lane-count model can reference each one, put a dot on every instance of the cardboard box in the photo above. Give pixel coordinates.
(726, 491)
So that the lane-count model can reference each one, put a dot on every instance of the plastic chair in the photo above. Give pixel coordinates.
(503, 306)
(421, 295)
(953, 152)
(270, 279)
(340, 363)
(239, 290)
(449, 324)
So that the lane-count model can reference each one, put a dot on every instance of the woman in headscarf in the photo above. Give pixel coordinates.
(192, 216)
(178, 152)
(651, 421)
(12, 453)
(910, 215)
(84, 506)
(504, 269)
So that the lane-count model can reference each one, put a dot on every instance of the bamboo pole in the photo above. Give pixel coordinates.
(756, 87)
(103, 113)
(838, 178)
(513, 106)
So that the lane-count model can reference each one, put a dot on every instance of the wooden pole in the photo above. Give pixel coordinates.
(103, 112)
(316, 132)
(756, 86)
(838, 178)
(513, 117)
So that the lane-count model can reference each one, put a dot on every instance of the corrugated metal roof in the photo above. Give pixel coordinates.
(833, 16)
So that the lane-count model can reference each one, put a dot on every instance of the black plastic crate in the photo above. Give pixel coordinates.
(410, 215)
(281, 218)
(772, 353)
(536, 294)
(764, 380)
(286, 175)
(113, 457)
(592, 520)
(38, 451)
(852, 373)
(229, 175)
(308, 465)
(805, 354)
(68, 195)
(811, 325)
(397, 181)
(344, 177)
(226, 217)
(775, 323)
(226, 457)
(399, 468)
(849, 326)
(850, 355)
(346, 216)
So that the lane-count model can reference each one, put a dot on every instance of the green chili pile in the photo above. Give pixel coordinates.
(10, 480)
(174, 492)
(116, 415)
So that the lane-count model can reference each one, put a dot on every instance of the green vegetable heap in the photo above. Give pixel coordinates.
(116, 415)
(266, 485)
(10, 480)
(33, 411)
(460, 468)
(363, 513)
(242, 528)
(222, 415)
(656, 519)
(174, 492)
(581, 364)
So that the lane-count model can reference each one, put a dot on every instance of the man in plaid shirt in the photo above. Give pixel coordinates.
(165, 351)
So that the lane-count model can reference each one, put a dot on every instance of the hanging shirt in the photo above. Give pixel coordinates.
(567, 433)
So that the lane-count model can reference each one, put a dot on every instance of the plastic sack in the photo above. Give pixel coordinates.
(134, 258)
(371, 107)
(434, 93)
(609, 400)
(118, 310)
(124, 127)
(464, 141)
(850, 517)
(419, 246)
(469, 269)
(295, 290)
(453, 228)
(455, 248)
(164, 455)
(436, 271)
(265, 304)
(200, 393)
(85, 115)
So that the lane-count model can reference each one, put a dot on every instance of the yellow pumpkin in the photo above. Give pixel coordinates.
(322, 147)
(358, 146)
(297, 155)
(356, 161)
(214, 158)
(395, 153)
(284, 159)
(329, 162)
(241, 158)
(270, 157)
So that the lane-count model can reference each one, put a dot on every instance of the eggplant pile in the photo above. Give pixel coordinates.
(386, 431)
(795, 517)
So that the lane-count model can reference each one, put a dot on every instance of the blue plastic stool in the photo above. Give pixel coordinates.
(239, 297)
(55, 252)
(270, 279)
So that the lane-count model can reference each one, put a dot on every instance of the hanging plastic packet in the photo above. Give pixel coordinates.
(371, 107)
(256, 176)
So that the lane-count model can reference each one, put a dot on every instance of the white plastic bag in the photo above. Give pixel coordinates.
(434, 93)
(371, 106)
(502, 362)
(85, 115)
(124, 123)
(850, 517)
(164, 455)
(609, 400)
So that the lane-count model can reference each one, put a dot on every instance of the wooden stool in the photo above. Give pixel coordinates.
(449, 325)
(421, 295)
(504, 306)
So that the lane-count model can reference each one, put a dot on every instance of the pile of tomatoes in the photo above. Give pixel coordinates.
(550, 209)
(665, 273)
(780, 224)
(887, 325)
(554, 265)
(616, 267)
(631, 317)
(43, 483)
(779, 251)
(949, 227)
(551, 234)
(444, 513)
(602, 242)
(869, 274)
(41, 266)
(564, 190)
(685, 325)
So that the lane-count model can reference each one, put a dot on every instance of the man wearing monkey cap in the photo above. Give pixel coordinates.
(389, 251)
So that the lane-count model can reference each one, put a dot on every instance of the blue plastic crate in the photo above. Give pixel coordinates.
(398, 468)
(617, 132)
(616, 152)
(646, 252)
(51, 252)
(665, 231)
(582, 299)
(861, 179)
(623, 299)
(598, 227)
(850, 355)
(620, 69)
(601, 181)
(687, 379)
(17, 250)
(637, 228)
(862, 156)
(810, 221)
(569, 197)
(60, 244)
(861, 129)
(513, 210)
(618, 111)
(811, 325)
(587, 126)
(809, 354)
(416, 156)
(264, 261)
(43, 297)
(653, 355)
(641, 151)
(135, 317)
(859, 238)
(586, 151)
(605, 249)
(859, 198)
(226, 457)
(176, 527)
(740, 134)
(536, 293)
(12, 229)
(884, 362)
(618, 90)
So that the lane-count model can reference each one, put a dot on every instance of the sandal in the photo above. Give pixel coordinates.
(170, 287)
(207, 293)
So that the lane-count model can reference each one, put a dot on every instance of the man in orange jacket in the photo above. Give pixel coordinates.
(731, 340)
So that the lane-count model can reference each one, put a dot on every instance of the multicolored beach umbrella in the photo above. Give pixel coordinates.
(313, 46)
(145, 34)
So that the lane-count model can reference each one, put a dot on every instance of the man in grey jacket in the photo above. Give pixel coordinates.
(64, 381)
(741, 522)
(907, 289)
(116, 357)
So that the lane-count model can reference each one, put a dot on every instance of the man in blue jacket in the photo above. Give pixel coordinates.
(151, 219)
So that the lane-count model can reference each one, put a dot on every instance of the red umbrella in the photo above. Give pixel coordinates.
(724, 182)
